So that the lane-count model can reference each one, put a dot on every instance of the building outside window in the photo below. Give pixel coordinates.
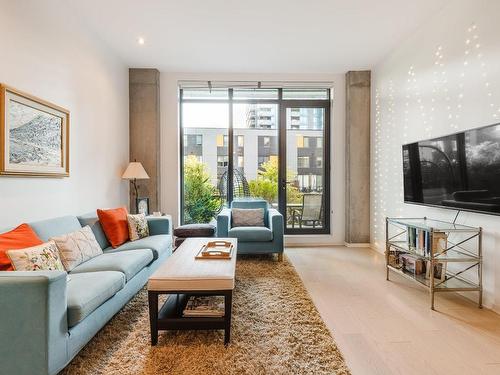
(222, 161)
(241, 161)
(319, 162)
(303, 162)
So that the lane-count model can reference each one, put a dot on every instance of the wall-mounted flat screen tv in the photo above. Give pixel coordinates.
(459, 171)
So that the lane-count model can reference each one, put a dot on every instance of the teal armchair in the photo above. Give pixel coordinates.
(254, 240)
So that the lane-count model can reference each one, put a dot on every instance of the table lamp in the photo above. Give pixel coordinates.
(135, 171)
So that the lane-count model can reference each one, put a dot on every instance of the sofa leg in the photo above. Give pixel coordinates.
(280, 257)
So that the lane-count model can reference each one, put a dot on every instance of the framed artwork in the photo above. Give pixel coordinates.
(143, 206)
(34, 136)
(439, 271)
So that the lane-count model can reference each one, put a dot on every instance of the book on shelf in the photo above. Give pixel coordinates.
(204, 306)
(419, 240)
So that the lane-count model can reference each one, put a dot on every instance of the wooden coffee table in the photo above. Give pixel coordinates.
(182, 276)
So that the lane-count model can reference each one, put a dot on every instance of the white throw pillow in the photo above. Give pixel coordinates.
(77, 247)
(247, 217)
(137, 226)
(44, 257)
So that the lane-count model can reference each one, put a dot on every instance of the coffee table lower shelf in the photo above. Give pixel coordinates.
(169, 317)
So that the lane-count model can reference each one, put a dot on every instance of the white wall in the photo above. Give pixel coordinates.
(443, 79)
(170, 144)
(46, 53)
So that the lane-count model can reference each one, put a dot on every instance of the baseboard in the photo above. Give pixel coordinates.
(319, 244)
(357, 244)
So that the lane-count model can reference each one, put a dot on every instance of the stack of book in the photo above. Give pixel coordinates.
(420, 241)
(204, 306)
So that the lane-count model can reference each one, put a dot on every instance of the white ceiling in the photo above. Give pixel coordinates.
(256, 36)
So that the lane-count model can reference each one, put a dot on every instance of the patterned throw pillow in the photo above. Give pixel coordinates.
(44, 257)
(77, 247)
(137, 227)
(247, 217)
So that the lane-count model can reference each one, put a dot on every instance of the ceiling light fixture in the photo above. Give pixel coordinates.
(140, 40)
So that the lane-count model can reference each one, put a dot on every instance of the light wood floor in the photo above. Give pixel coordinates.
(386, 327)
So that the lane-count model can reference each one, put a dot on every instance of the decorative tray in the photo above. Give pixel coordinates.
(216, 250)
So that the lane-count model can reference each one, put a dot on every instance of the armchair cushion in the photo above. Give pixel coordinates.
(252, 203)
(248, 217)
(251, 234)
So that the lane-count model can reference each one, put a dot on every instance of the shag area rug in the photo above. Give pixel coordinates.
(276, 329)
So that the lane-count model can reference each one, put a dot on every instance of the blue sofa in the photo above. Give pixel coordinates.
(45, 319)
(254, 240)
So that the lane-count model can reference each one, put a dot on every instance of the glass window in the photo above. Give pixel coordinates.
(222, 161)
(303, 162)
(205, 93)
(255, 94)
(319, 142)
(203, 125)
(256, 128)
(241, 140)
(306, 142)
(319, 162)
(302, 94)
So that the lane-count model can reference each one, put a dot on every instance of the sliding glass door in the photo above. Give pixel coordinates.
(256, 143)
(305, 197)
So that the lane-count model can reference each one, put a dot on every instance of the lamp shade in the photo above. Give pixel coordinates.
(135, 170)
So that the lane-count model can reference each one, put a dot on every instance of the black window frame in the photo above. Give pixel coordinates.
(283, 104)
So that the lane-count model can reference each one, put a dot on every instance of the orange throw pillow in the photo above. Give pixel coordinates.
(115, 225)
(19, 238)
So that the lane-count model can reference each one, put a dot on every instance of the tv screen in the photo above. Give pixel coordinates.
(460, 171)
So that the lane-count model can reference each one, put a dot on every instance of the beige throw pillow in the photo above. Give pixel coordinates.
(77, 247)
(247, 217)
(44, 257)
(137, 226)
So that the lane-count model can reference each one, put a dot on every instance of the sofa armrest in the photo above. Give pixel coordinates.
(223, 222)
(159, 225)
(33, 321)
(276, 225)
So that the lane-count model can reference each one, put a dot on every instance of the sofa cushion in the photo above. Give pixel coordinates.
(44, 257)
(20, 237)
(55, 227)
(251, 234)
(115, 226)
(137, 227)
(93, 222)
(194, 230)
(88, 291)
(77, 247)
(128, 262)
(158, 244)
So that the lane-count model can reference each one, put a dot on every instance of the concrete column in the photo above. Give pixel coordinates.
(357, 188)
(144, 108)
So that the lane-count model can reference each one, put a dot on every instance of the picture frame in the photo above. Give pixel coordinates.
(439, 271)
(142, 206)
(34, 136)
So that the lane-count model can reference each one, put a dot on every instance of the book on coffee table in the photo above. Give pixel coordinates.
(204, 306)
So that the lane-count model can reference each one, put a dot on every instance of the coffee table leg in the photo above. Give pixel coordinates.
(153, 316)
(228, 302)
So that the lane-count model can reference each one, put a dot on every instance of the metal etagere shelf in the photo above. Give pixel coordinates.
(462, 249)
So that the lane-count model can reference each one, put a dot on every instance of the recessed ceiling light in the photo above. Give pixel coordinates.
(140, 40)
